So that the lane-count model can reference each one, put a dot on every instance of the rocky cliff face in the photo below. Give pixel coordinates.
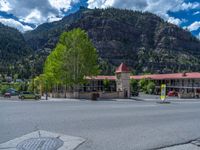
(143, 41)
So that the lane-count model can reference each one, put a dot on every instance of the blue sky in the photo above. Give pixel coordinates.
(28, 14)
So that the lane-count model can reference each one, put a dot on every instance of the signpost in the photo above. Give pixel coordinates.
(163, 92)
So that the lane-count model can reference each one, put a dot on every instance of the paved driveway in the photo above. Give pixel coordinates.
(106, 125)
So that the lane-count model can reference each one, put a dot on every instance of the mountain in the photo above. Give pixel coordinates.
(13, 52)
(144, 41)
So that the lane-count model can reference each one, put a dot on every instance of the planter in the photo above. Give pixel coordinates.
(94, 96)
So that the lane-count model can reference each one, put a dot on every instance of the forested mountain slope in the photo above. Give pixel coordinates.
(13, 52)
(144, 41)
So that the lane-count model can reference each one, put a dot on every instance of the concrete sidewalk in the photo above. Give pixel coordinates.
(58, 99)
(72, 99)
(147, 97)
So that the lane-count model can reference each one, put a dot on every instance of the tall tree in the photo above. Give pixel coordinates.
(73, 58)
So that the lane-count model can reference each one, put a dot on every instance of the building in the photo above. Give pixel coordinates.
(119, 86)
(186, 84)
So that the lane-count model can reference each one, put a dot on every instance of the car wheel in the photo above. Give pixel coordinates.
(22, 98)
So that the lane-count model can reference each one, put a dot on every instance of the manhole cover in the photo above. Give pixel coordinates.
(42, 143)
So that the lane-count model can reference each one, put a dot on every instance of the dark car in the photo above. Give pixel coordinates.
(12, 91)
(7, 95)
(29, 95)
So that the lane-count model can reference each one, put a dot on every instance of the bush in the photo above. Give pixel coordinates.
(147, 86)
(151, 87)
(106, 84)
(4, 88)
(134, 85)
(143, 84)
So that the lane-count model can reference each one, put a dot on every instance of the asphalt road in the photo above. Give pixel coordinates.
(106, 125)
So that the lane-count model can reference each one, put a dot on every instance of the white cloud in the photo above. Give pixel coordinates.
(194, 26)
(4, 5)
(151, 5)
(187, 6)
(34, 17)
(40, 11)
(196, 13)
(61, 4)
(129, 4)
(37, 11)
(16, 24)
(159, 7)
(175, 21)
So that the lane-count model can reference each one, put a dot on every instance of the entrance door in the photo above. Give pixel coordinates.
(125, 93)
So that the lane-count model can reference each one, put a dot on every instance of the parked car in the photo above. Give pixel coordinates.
(29, 95)
(172, 93)
(7, 95)
(12, 91)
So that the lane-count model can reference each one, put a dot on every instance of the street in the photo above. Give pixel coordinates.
(106, 125)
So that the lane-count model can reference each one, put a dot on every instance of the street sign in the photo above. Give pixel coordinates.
(163, 92)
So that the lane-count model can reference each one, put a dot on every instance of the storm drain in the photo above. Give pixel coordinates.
(43, 140)
(42, 143)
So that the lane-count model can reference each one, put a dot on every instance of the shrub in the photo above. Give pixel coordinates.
(143, 84)
(106, 84)
(134, 85)
(151, 87)
(4, 88)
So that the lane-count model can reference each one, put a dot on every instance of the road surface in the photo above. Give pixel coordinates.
(106, 125)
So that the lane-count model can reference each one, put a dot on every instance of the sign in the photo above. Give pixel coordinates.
(163, 92)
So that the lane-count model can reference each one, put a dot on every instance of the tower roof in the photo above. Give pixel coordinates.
(122, 68)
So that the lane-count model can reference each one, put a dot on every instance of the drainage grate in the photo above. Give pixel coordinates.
(41, 143)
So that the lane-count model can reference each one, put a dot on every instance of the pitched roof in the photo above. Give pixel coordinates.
(122, 68)
(192, 75)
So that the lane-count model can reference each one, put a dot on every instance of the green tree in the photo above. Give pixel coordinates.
(143, 84)
(31, 85)
(73, 58)
(15, 76)
(106, 84)
(134, 85)
(4, 88)
(151, 87)
(147, 86)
